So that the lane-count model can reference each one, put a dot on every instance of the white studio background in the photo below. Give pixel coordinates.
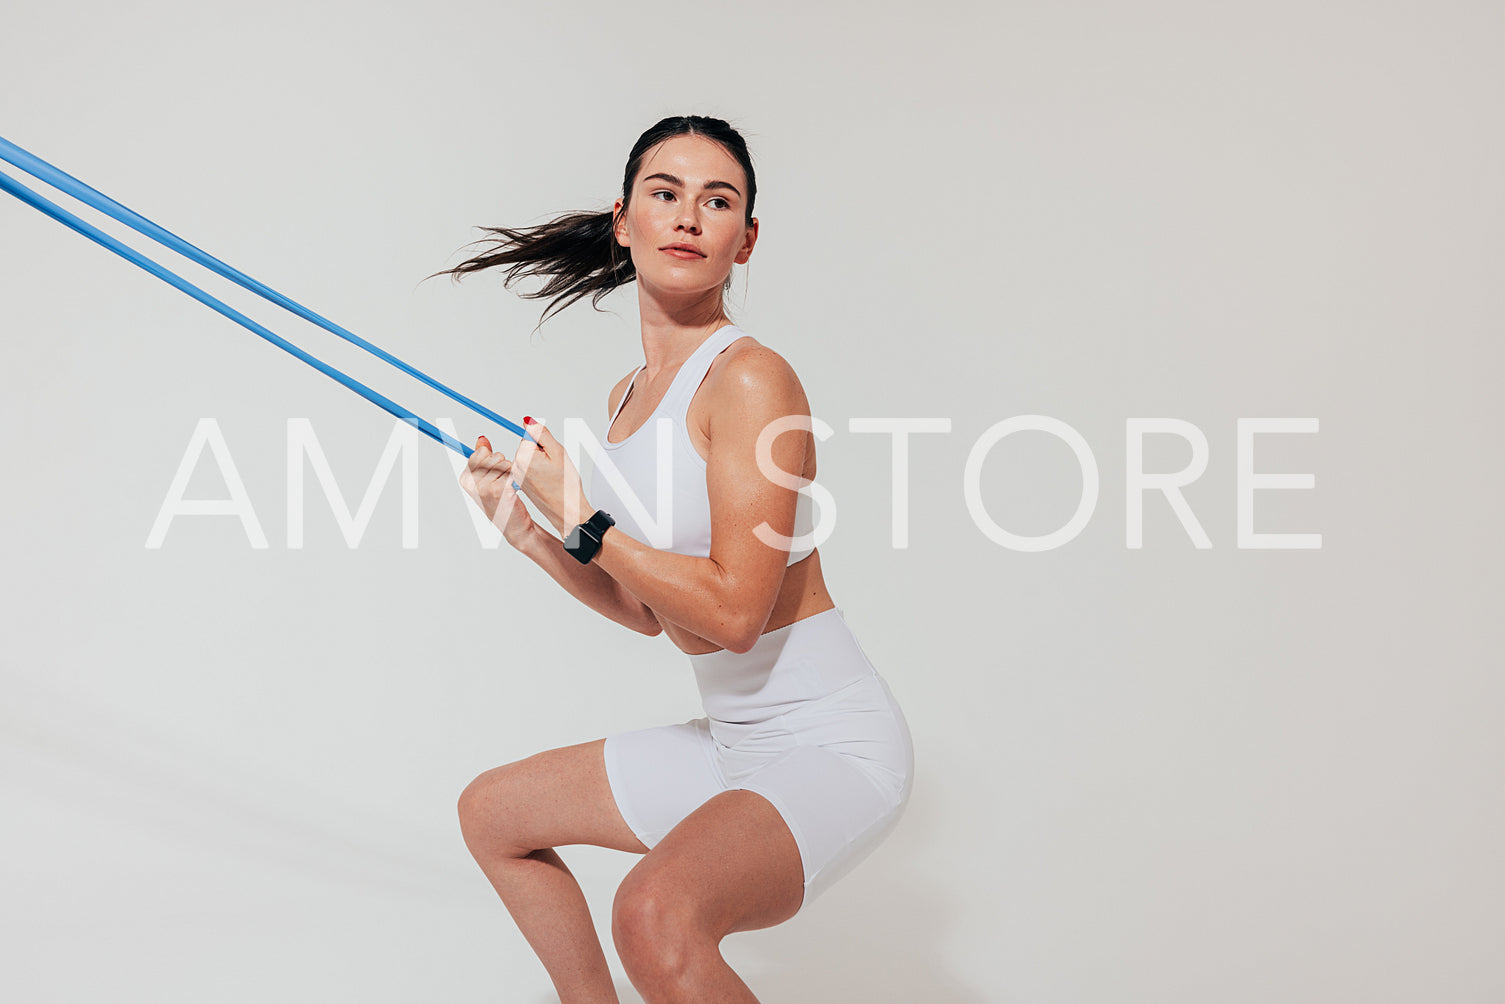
(1158, 774)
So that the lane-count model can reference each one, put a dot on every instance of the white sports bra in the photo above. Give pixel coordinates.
(634, 479)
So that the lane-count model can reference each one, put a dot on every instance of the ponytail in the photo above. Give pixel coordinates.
(578, 252)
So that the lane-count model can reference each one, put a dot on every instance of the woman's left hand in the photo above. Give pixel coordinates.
(549, 479)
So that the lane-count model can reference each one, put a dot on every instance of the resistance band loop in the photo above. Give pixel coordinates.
(64, 182)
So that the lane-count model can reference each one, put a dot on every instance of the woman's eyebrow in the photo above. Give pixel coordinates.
(671, 179)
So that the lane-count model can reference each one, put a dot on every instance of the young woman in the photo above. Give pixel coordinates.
(803, 761)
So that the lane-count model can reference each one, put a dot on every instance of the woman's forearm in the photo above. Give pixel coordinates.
(589, 584)
(693, 592)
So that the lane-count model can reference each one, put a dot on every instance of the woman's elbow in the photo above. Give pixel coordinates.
(749, 622)
(740, 645)
(746, 635)
(640, 616)
(648, 623)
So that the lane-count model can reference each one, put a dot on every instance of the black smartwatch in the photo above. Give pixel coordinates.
(585, 540)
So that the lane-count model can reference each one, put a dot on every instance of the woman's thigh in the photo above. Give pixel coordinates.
(551, 799)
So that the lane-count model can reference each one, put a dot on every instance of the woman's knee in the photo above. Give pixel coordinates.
(655, 932)
(483, 808)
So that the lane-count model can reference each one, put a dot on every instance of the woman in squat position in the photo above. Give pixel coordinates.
(802, 763)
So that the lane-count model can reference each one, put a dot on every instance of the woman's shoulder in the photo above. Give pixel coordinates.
(748, 361)
(749, 369)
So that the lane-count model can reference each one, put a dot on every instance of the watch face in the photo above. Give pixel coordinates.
(581, 545)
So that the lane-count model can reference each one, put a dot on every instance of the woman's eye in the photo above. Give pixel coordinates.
(720, 202)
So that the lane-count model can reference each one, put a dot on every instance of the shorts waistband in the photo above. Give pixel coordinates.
(802, 661)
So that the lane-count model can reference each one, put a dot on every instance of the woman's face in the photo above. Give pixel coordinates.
(688, 191)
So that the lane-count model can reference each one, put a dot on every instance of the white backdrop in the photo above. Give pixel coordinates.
(1166, 773)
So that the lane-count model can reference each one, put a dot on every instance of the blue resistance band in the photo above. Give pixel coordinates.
(44, 171)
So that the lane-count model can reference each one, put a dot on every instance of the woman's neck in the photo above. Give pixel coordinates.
(667, 345)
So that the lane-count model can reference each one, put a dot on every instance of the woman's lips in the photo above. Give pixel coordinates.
(682, 253)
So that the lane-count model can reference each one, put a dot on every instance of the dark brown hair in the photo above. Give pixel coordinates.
(578, 252)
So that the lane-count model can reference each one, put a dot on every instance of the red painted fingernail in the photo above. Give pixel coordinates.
(527, 419)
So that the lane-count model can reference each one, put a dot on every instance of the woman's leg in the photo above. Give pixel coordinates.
(512, 817)
(731, 865)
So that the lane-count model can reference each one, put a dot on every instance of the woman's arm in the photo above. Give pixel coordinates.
(589, 584)
(487, 479)
(727, 598)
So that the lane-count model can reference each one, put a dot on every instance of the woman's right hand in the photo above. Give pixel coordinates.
(487, 478)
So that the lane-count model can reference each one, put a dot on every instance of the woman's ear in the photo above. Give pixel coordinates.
(747, 243)
(619, 224)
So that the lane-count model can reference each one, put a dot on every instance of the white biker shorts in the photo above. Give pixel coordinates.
(804, 720)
